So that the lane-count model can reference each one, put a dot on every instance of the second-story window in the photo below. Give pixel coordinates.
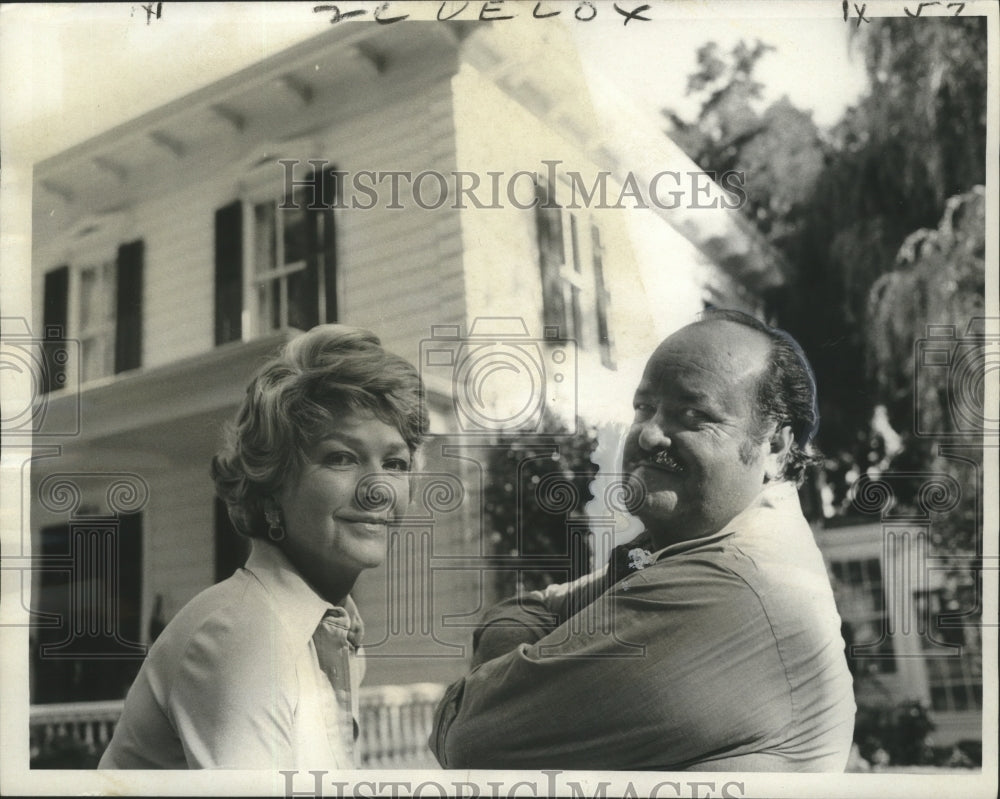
(294, 258)
(276, 257)
(286, 280)
(97, 300)
(96, 318)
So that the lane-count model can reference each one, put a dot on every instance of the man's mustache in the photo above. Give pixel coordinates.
(661, 459)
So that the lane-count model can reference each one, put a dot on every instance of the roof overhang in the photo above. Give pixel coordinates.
(297, 86)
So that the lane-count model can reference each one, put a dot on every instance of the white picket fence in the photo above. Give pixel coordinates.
(395, 722)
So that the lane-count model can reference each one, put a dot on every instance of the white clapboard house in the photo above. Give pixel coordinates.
(168, 261)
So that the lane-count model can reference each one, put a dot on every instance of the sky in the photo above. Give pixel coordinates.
(811, 62)
(69, 72)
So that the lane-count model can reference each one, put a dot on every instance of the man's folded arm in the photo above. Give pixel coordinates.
(529, 618)
(646, 677)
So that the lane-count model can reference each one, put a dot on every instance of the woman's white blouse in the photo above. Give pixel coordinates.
(236, 679)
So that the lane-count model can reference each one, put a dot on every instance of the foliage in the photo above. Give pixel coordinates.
(939, 278)
(726, 120)
(536, 485)
(928, 95)
(779, 150)
(900, 735)
(842, 207)
(899, 731)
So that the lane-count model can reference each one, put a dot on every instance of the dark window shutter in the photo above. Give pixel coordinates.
(548, 218)
(603, 300)
(303, 286)
(55, 313)
(331, 195)
(128, 331)
(229, 273)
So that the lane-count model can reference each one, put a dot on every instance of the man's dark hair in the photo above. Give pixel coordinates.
(786, 391)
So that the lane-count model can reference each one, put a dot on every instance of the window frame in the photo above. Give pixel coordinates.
(263, 183)
(104, 330)
(94, 242)
(585, 298)
(955, 682)
(882, 654)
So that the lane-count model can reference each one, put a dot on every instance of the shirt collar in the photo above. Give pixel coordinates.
(296, 604)
(778, 498)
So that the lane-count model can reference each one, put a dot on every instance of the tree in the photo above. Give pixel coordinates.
(839, 205)
(726, 119)
(779, 150)
(938, 278)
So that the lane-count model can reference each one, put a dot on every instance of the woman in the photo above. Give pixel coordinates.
(262, 670)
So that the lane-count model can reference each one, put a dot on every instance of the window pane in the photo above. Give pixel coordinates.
(603, 301)
(939, 697)
(887, 652)
(303, 300)
(574, 242)
(268, 308)
(91, 358)
(264, 243)
(577, 332)
(300, 240)
(275, 302)
(954, 669)
(89, 297)
(294, 235)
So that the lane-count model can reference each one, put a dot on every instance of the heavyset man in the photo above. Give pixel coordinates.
(721, 648)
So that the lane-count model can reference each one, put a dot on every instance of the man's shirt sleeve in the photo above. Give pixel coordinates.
(669, 668)
(528, 618)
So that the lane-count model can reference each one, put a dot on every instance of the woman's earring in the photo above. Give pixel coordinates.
(275, 530)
